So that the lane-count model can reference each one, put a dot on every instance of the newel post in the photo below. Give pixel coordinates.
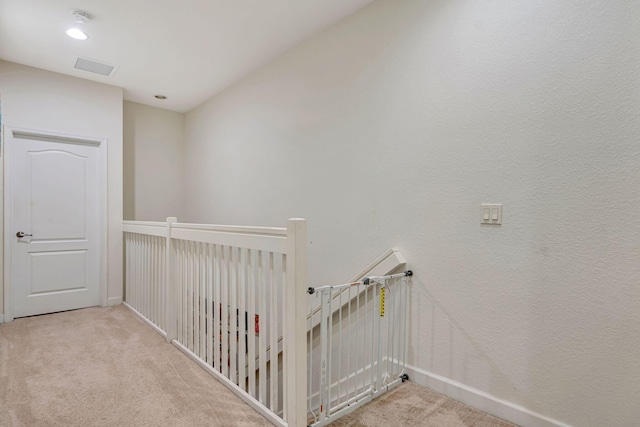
(295, 324)
(171, 320)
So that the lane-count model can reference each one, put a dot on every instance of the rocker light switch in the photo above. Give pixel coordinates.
(491, 214)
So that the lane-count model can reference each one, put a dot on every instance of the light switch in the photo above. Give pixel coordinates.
(491, 214)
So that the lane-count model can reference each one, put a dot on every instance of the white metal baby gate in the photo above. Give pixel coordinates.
(357, 344)
(235, 300)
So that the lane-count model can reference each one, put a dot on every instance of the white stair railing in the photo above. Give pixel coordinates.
(234, 299)
(224, 295)
(146, 271)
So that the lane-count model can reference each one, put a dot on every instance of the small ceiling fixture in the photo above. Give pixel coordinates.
(76, 33)
(94, 66)
(160, 97)
(79, 17)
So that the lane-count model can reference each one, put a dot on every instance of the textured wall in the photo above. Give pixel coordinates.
(153, 162)
(392, 127)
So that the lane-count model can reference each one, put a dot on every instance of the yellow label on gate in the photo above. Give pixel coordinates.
(382, 301)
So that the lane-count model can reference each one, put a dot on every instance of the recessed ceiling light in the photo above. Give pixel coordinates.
(160, 97)
(77, 34)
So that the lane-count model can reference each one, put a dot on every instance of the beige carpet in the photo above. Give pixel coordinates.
(412, 405)
(105, 367)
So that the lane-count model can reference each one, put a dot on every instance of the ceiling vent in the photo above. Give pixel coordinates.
(94, 66)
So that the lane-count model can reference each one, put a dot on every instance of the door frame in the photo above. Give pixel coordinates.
(11, 134)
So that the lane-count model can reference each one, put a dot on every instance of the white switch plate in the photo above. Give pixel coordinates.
(491, 214)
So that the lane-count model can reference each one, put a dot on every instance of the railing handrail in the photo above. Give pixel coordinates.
(240, 229)
(273, 239)
(144, 227)
(145, 223)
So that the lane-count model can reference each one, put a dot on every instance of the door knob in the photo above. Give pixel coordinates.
(22, 234)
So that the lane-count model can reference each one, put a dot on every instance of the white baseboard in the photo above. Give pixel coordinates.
(481, 400)
(114, 301)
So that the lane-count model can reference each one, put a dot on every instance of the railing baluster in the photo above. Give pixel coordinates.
(156, 279)
(243, 321)
(197, 315)
(217, 305)
(156, 282)
(190, 296)
(217, 325)
(194, 298)
(203, 301)
(350, 344)
(405, 315)
(140, 272)
(134, 273)
(167, 313)
(155, 271)
(325, 301)
(281, 279)
(376, 321)
(360, 348)
(389, 319)
(127, 266)
(186, 303)
(234, 315)
(176, 288)
(183, 291)
(159, 289)
(273, 320)
(310, 358)
(151, 296)
(153, 268)
(263, 316)
(225, 311)
(145, 275)
(282, 329)
(339, 396)
(210, 303)
(251, 296)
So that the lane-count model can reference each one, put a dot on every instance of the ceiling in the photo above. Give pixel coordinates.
(187, 50)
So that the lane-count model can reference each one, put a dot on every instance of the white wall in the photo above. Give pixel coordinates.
(41, 100)
(391, 128)
(153, 163)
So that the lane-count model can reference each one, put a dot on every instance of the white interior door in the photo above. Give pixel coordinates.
(56, 206)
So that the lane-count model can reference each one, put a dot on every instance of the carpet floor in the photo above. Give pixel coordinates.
(410, 405)
(105, 367)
